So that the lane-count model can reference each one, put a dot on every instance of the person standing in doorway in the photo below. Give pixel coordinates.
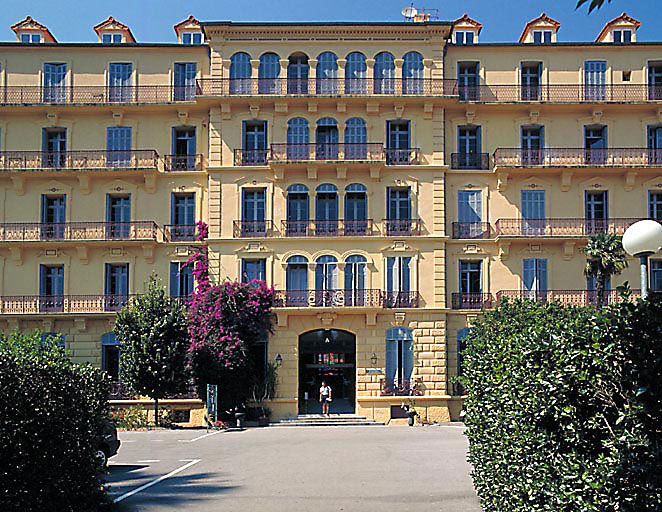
(325, 398)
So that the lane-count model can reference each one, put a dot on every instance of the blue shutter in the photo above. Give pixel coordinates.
(107, 278)
(173, 144)
(174, 279)
(390, 269)
(405, 263)
(606, 196)
(42, 279)
(479, 141)
(391, 361)
(173, 206)
(407, 359)
(528, 265)
(44, 208)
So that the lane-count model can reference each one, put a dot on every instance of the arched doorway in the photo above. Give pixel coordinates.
(329, 355)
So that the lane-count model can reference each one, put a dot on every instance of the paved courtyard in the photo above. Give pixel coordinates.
(291, 469)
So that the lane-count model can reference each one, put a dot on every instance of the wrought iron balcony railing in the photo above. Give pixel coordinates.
(401, 387)
(252, 156)
(564, 157)
(94, 94)
(345, 298)
(477, 161)
(137, 159)
(326, 87)
(253, 228)
(559, 93)
(402, 227)
(472, 230)
(403, 156)
(89, 231)
(337, 152)
(461, 300)
(568, 227)
(39, 304)
(183, 162)
(340, 227)
(180, 232)
(402, 299)
(567, 297)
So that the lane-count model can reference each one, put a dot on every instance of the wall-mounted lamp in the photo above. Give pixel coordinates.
(373, 359)
(279, 360)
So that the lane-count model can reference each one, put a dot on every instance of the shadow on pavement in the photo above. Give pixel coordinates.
(125, 468)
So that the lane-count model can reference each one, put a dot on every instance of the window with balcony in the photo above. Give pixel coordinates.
(326, 280)
(296, 278)
(298, 139)
(655, 144)
(110, 355)
(469, 148)
(118, 216)
(542, 36)
(471, 277)
(119, 81)
(254, 143)
(298, 71)
(595, 80)
(596, 211)
(399, 360)
(655, 205)
(327, 73)
(468, 81)
(51, 288)
(622, 36)
(326, 210)
(116, 286)
(297, 211)
(53, 216)
(240, 73)
(192, 38)
(595, 144)
(184, 80)
(253, 211)
(356, 275)
(464, 37)
(356, 72)
(655, 80)
(182, 217)
(54, 82)
(534, 277)
(356, 210)
(181, 279)
(267, 73)
(54, 147)
(326, 139)
(531, 78)
(384, 73)
(356, 139)
(656, 275)
(469, 214)
(398, 281)
(398, 142)
(533, 142)
(111, 38)
(183, 148)
(413, 74)
(398, 211)
(118, 146)
(253, 270)
(533, 212)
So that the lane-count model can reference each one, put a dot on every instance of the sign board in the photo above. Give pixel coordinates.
(373, 370)
(212, 403)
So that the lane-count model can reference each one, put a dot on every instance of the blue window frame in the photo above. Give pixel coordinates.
(468, 78)
(182, 216)
(111, 38)
(384, 73)
(656, 275)
(399, 357)
(53, 216)
(184, 80)
(356, 72)
(297, 210)
(296, 281)
(110, 355)
(240, 73)
(181, 279)
(254, 142)
(51, 288)
(356, 138)
(119, 81)
(118, 216)
(192, 38)
(298, 70)
(253, 270)
(54, 82)
(118, 146)
(268, 72)
(327, 73)
(413, 74)
(54, 147)
(298, 139)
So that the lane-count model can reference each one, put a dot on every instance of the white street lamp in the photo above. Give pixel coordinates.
(642, 239)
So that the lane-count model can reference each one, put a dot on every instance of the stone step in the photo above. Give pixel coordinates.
(327, 424)
(316, 420)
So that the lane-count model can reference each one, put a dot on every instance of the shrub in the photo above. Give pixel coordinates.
(130, 418)
(564, 407)
(50, 410)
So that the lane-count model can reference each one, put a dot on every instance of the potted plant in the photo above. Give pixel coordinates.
(410, 410)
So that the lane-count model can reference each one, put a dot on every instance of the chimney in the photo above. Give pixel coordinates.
(422, 17)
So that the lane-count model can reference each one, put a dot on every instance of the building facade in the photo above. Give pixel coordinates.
(389, 180)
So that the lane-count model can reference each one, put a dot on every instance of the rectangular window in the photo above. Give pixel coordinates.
(655, 205)
(595, 145)
(596, 211)
(111, 38)
(655, 144)
(622, 36)
(533, 212)
(656, 275)
(254, 143)
(183, 148)
(531, 75)
(51, 288)
(118, 216)
(54, 82)
(470, 277)
(182, 216)
(53, 216)
(469, 208)
(186, 38)
(54, 147)
(118, 146)
(398, 211)
(119, 81)
(253, 211)
(253, 270)
(468, 74)
(532, 140)
(110, 355)
(464, 38)
(31, 38)
(398, 281)
(181, 279)
(469, 147)
(595, 80)
(655, 80)
(534, 271)
(185, 74)
(542, 36)
(398, 143)
(399, 360)
(116, 286)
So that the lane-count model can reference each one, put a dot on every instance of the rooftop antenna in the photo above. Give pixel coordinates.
(409, 12)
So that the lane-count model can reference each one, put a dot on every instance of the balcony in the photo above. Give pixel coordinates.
(174, 163)
(326, 87)
(566, 297)
(402, 227)
(335, 152)
(252, 228)
(401, 387)
(75, 231)
(470, 161)
(578, 157)
(90, 160)
(180, 232)
(560, 93)
(472, 230)
(340, 227)
(471, 300)
(94, 95)
(249, 157)
(345, 298)
(41, 304)
(568, 227)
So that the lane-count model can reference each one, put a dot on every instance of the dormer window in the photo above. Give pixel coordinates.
(622, 36)
(31, 38)
(542, 36)
(111, 38)
(192, 38)
(464, 37)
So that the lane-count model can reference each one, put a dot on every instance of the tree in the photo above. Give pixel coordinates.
(606, 257)
(595, 4)
(153, 336)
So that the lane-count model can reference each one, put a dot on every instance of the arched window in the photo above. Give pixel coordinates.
(326, 139)
(356, 139)
(298, 138)
(399, 361)
(356, 72)
(296, 281)
(240, 73)
(268, 74)
(356, 221)
(413, 73)
(298, 71)
(384, 73)
(110, 355)
(327, 73)
(298, 215)
(356, 277)
(326, 210)
(326, 273)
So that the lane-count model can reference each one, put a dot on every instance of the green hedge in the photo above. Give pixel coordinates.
(49, 413)
(564, 407)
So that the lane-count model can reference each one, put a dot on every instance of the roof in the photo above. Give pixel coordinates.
(30, 24)
(622, 19)
(187, 22)
(113, 24)
(466, 19)
(542, 18)
(325, 23)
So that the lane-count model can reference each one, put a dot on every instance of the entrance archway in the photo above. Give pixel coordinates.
(329, 355)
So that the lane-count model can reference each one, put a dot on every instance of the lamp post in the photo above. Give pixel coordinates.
(642, 239)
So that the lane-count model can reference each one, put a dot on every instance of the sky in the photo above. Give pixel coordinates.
(152, 20)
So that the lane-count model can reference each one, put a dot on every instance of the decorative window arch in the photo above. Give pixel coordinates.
(327, 73)
(327, 187)
(356, 187)
(296, 281)
(297, 259)
(399, 359)
(268, 73)
(356, 72)
(297, 188)
(356, 221)
(240, 73)
(384, 73)
(413, 73)
(326, 273)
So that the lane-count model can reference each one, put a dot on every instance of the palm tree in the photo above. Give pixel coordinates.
(606, 257)
(593, 5)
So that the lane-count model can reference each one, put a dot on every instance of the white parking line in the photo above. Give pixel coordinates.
(201, 437)
(148, 461)
(154, 482)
